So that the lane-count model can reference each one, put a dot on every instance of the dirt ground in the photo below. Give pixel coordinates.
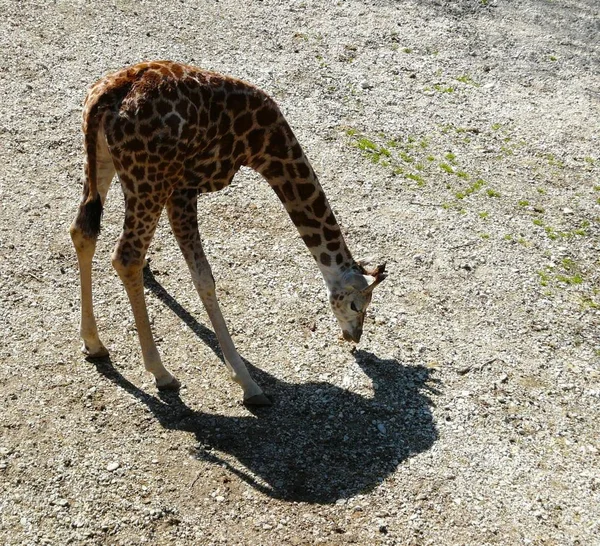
(456, 140)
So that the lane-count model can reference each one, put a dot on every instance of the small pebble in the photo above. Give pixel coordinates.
(111, 467)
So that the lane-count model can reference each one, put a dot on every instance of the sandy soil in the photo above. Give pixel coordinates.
(456, 140)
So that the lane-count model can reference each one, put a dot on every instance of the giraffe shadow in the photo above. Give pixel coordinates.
(201, 331)
(319, 442)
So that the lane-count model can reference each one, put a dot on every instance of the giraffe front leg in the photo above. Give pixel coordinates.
(183, 218)
(253, 394)
(132, 277)
(128, 260)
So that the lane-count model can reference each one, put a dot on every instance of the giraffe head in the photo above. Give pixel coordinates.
(351, 296)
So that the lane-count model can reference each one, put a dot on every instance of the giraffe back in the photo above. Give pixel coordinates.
(168, 124)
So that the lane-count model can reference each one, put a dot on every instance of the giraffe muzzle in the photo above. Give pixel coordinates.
(354, 336)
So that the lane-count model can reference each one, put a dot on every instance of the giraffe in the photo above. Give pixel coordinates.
(171, 131)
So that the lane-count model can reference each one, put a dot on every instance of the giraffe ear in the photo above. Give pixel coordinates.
(378, 271)
(379, 274)
(371, 272)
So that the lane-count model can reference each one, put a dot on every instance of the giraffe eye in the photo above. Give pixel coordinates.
(353, 307)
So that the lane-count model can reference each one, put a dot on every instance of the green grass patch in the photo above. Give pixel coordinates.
(586, 302)
(466, 79)
(474, 187)
(553, 161)
(365, 144)
(551, 233)
(416, 177)
(450, 157)
(406, 158)
(566, 273)
(443, 89)
(574, 279)
(544, 277)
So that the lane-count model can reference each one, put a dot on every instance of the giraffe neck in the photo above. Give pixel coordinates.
(298, 188)
(319, 229)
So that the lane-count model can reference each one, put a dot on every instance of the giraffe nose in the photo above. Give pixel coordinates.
(352, 336)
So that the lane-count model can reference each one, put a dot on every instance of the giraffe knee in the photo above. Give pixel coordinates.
(126, 263)
(205, 282)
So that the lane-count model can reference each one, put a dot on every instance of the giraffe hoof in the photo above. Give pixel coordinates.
(100, 352)
(258, 400)
(172, 386)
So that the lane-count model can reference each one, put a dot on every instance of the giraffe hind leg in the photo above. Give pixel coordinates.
(84, 232)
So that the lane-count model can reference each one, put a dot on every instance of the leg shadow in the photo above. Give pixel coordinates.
(319, 442)
(203, 333)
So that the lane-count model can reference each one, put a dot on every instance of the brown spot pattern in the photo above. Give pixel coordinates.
(319, 205)
(175, 128)
(256, 139)
(312, 240)
(243, 123)
(305, 191)
(266, 116)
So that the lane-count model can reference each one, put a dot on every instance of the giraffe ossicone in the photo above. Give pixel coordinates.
(171, 131)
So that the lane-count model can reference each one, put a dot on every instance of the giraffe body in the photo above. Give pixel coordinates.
(170, 132)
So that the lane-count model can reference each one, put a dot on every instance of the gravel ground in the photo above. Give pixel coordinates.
(456, 140)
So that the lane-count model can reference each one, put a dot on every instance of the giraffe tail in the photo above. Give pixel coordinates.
(90, 209)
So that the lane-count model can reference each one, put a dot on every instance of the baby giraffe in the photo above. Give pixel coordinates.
(171, 131)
